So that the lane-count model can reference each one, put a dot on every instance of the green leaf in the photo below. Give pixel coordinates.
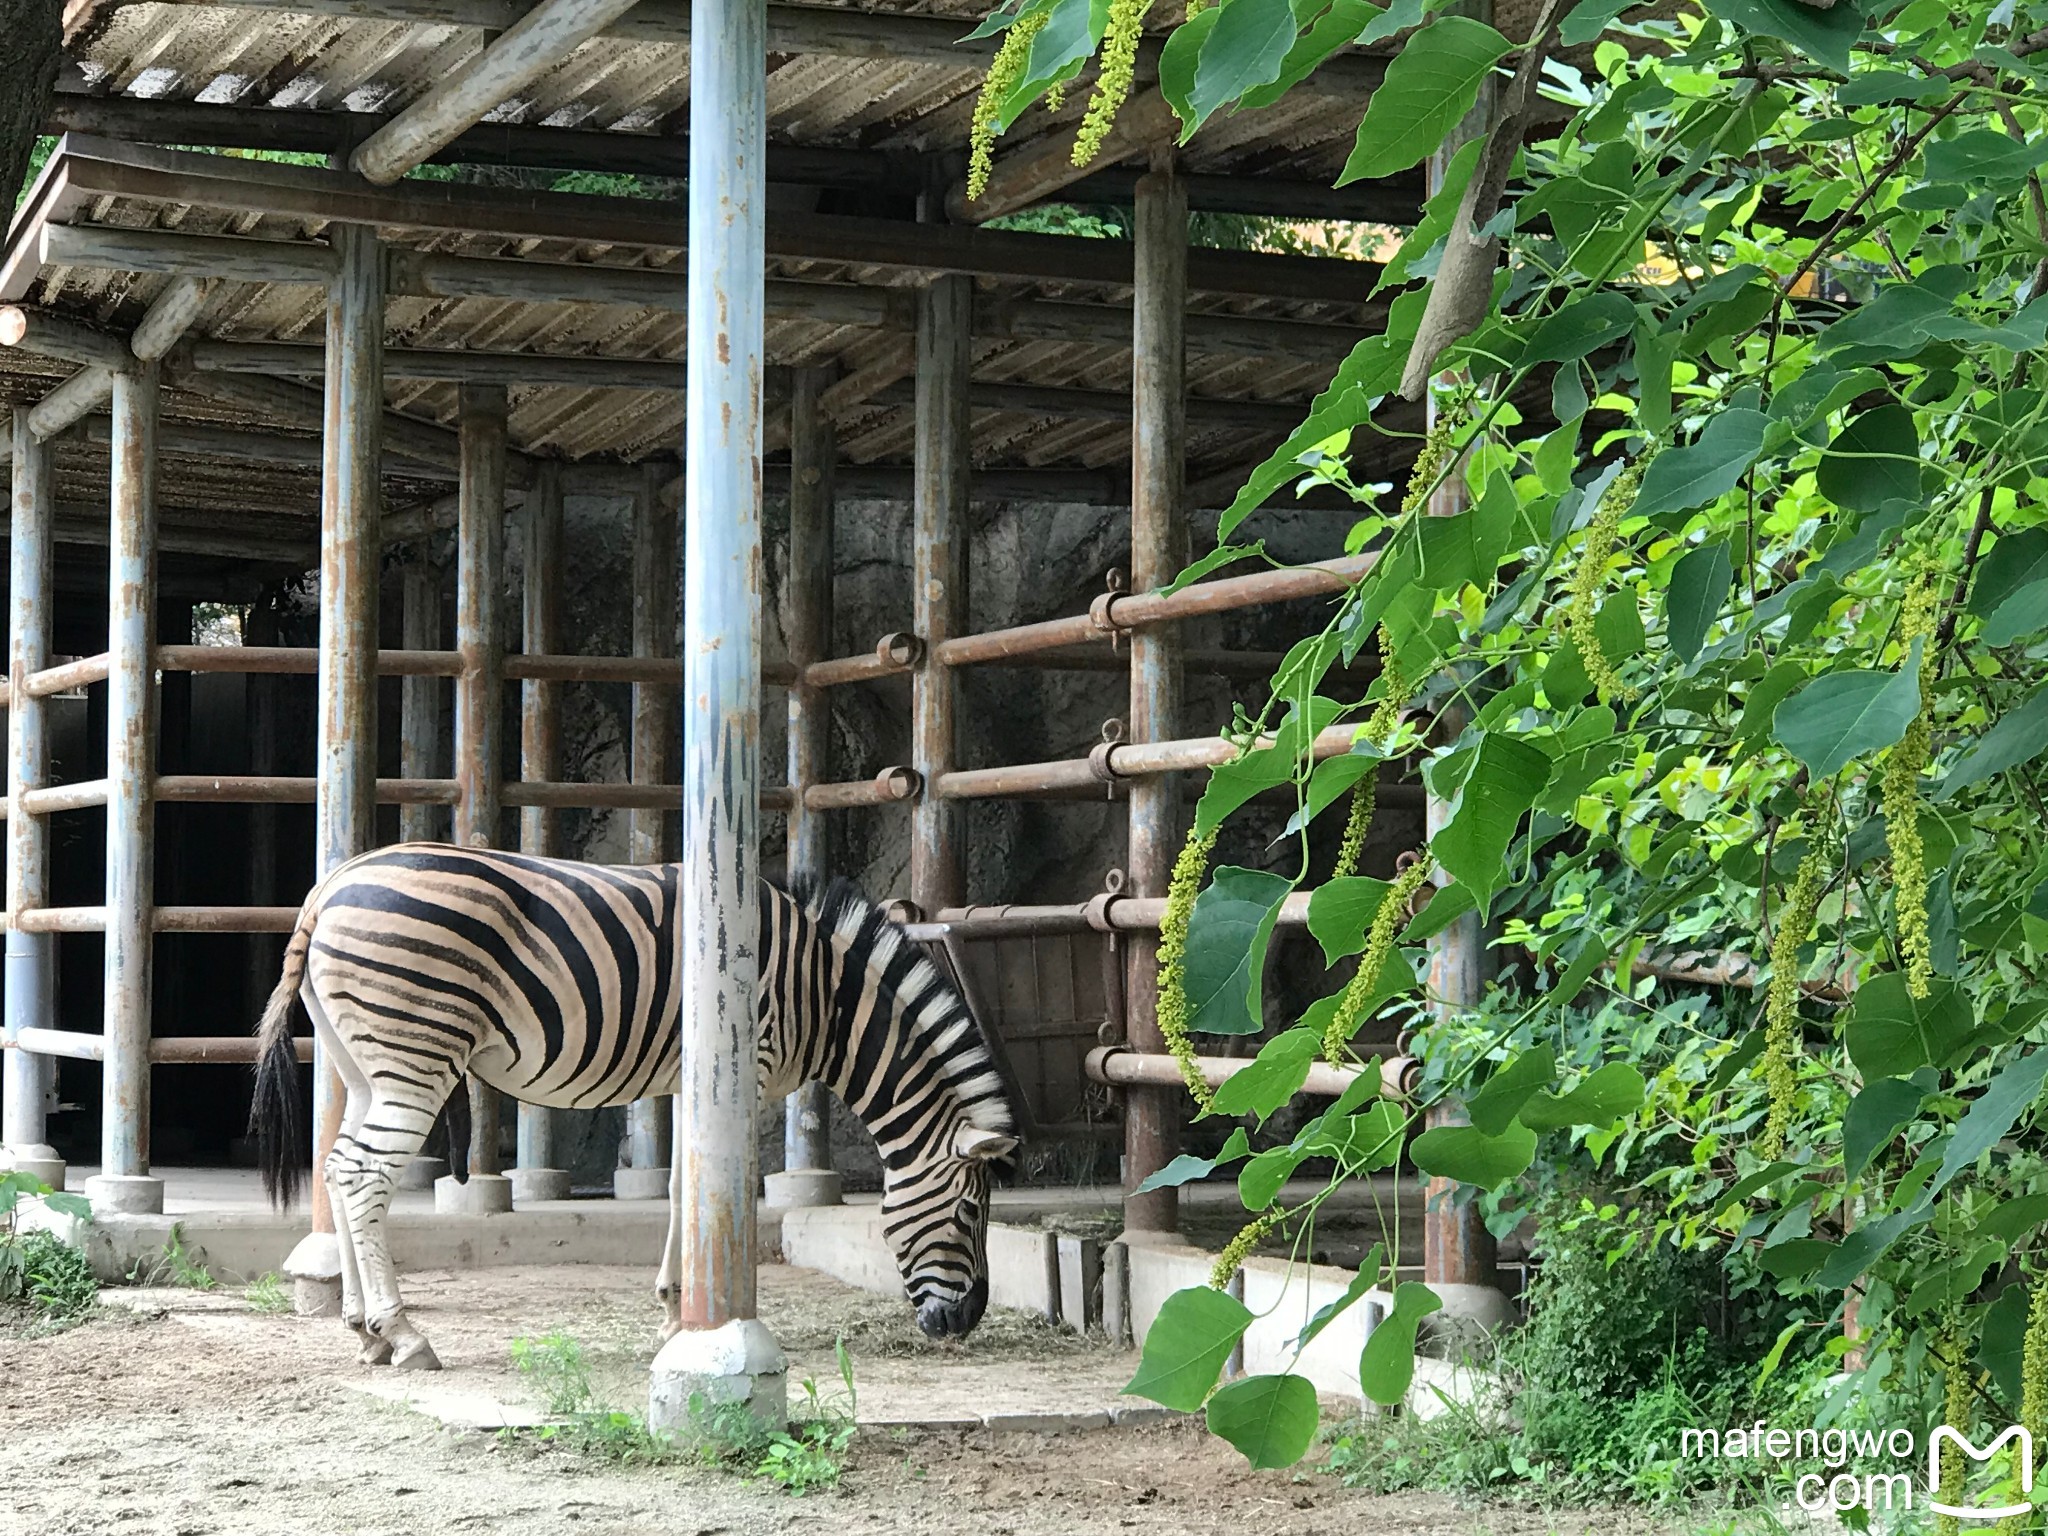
(1588, 19)
(1991, 1114)
(1982, 155)
(1873, 460)
(1776, 1353)
(1582, 326)
(1274, 1076)
(1891, 1032)
(2011, 589)
(1186, 1168)
(1604, 1097)
(2020, 736)
(1429, 87)
(1874, 1118)
(2011, 1220)
(1848, 714)
(1712, 465)
(1494, 1107)
(1271, 1419)
(1439, 912)
(1437, 214)
(1387, 1364)
(1470, 1156)
(1216, 559)
(1179, 58)
(1853, 1256)
(78, 1207)
(1506, 777)
(1244, 50)
(1468, 545)
(1340, 912)
(1699, 585)
(1823, 35)
(1367, 1277)
(1362, 1142)
(1186, 1346)
(1330, 31)
(1267, 767)
(1226, 950)
(2002, 1342)
(1260, 1181)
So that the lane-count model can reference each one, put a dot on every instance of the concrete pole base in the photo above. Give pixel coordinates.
(483, 1194)
(639, 1183)
(423, 1172)
(1472, 1316)
(702, 1374)
(125, 1194)
(532, 1185)
(797, 1188)
(314, 1269)
(38, 1162)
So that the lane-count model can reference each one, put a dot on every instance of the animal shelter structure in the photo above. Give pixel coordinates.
(225, 372)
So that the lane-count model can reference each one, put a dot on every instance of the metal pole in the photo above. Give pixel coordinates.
(345, 753)
(649, 837)
(27, 1080)
(265, 951)
(123, 1182)
(807, 1176)
(722, 1353)
(940, 474)
(1457, 1250)
(479, 726)
(419, 746)
(1159, 548)
(540, 760)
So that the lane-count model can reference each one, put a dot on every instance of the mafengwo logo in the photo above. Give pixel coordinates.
(2023, 1458)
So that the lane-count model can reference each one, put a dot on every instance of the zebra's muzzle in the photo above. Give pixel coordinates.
(954, 1319)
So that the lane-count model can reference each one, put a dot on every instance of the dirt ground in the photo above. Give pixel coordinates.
(181, 1413)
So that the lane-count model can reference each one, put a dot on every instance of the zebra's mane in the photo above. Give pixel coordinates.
(935, 1015)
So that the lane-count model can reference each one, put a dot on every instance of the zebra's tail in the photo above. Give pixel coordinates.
(274, 1112)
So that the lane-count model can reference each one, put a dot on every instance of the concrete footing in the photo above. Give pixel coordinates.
(481, 1194)
(640, 1184)
(700, 1373)
(314, 1269)
(125, 1194)
(532, 1185)
(423, 1173)
(38, 1162)
(799, 1188)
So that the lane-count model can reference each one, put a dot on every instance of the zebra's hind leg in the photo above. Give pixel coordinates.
(373, 1351)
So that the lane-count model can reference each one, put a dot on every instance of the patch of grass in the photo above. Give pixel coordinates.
(810, 1456)
(39, 1271)
(266, 1294)
(176, 1265)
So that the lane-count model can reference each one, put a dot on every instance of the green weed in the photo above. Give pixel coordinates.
(266, 1293)
(176, 1265)
(39, 1270)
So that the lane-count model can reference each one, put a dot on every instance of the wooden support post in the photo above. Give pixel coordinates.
(479, 727)
(807, 1176)
(941, 470)
(1159, 548)
(649, 839)
(123, 1182)
(419, 748)
(536, 1176)
(721, 1351)
(27, 1080)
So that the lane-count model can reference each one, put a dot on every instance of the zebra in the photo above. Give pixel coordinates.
(558, 983)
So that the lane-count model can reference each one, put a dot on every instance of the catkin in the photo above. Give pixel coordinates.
(1589, 577)
(1956, 1402)
(2033, 1384)
(1438, 444)
(1119, 61)
(1188, 868)
(1781, 1005)
(1899, 791)
(1004, 71)
(1395, 691)
(1240, 1247)
(1379, 942)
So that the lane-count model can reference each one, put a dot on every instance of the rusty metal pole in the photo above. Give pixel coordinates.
(345, 756)
(807, 1176)
(1159, 548)
(479, 727)
(26, 1080)
(419, 745)
(1459, 1257)
(536, 1177)
(942, 467)
(722, 1353)
(649, 833)
(123, 1182)
(266, 950)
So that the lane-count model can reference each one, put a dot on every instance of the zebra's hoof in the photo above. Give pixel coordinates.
(416, 1354)
(375, 1351)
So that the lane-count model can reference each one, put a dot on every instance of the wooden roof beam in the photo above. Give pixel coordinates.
(532, 46)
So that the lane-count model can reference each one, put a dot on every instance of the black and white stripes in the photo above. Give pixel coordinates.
(556, 982)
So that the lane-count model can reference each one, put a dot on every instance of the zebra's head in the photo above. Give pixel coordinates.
(935, 1214)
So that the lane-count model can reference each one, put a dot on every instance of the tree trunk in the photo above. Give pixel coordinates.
(34, 30)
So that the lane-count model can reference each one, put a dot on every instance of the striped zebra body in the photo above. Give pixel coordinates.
(559, 983)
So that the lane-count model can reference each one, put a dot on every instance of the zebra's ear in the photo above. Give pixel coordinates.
(971, 1141)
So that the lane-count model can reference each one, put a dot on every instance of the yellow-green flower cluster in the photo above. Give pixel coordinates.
(1359, 822)
(1188, 869)
(1589, 577)
(1958, 1394)
(2033, 1383)
(1118, 62)
(1379, 725)
(1240, 1247)
(1437, 447)
(1389, 920)
(1781, 1006)
(1899, 792)
(1004, 71)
